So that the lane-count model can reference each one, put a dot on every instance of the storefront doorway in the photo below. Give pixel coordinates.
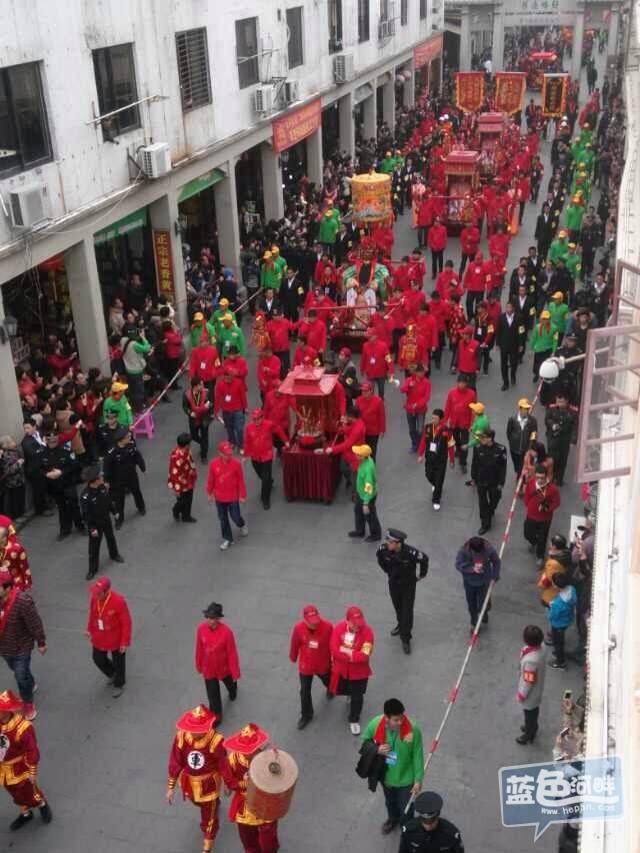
(249, 190)
(197, 214)
(124, 256)
(331, 131)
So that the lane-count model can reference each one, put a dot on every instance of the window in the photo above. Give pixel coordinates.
(193, 68)
(116, 84)
(335, 25)
(387, 23)
(294, 27)
(423, 9)
(404, 12)
(24, 130)
(363, 20)
(247, 52)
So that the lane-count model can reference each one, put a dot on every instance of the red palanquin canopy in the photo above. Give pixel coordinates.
(305, 381)
(461, 162)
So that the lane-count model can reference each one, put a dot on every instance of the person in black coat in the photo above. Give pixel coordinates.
(524, 305)
(120, 473)
(33, 446)
(488, 473)
(511, 343)
(96, 507)
(59, 470)
(521, 430)
(291, 294)
(545, 229)
(266, 302)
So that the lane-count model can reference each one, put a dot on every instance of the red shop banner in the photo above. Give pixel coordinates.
(296, 125)
(510, 89)
(469, 90)
(427, 50)
(164, 266)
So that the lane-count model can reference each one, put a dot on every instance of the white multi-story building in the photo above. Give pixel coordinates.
(127, 127)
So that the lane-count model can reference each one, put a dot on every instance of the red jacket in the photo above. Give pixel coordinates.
(258, 440)
(268, 372)
(467, 356)
(312, 649)
(354, 435)
(204, 362)
(13, 558)
(216, 655)
(109, 622)
(354, 664)
(541, 503)
(317, 334)
(182, 470)
(443, 279)
(437, 237)
(469, 240)
(225, 481)
(457, 413)
(278, 330)
(172, 343)
(427, 328)
(276, 409)
(371, 410)
(237, 366)
(229, 396)
(439, 311)
(418, 392)
(474, 277)
(401, 276)
(375, 361)
(417, 270)
(411, 302)
(412, 351)
(425, 213)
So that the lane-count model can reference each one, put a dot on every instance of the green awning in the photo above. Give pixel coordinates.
(198, 184)
(131, 222)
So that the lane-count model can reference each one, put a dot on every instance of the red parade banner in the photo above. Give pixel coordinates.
(469, 90)
(510, 89)
(427, 50)
(296, 125)
(164, 265)
(554, 94)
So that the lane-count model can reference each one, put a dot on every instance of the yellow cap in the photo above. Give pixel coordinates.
(275, 250)
(523, 403)
(227, 316)
(478, 408)
(328, 213)
(361, 449)
(558, 295)
(572, 245)
(118, 386)
(545, 315)
(223, 301)
(562, 233)
(266, 255)
(198, 316)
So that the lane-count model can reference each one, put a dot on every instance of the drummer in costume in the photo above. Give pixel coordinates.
(197, 760)
(256, 835)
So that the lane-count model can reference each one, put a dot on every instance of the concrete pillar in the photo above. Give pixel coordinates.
(389, 103)
(315, 163)
(164, 215)
(271, 183)
(10, 408)
(347, 124)
(370, 115)
(409, 90)
(612, 43)
(497, 44)
(465, 39)
(227, 220)
(87, 306)
(576, 52)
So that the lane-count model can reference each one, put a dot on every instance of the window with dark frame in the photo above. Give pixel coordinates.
(423, 9)
(193, 68)
(295, 46)
(363, 20)
(404, 12)
(334, 9)
(24, 129)
(247, 52)
(116, 84)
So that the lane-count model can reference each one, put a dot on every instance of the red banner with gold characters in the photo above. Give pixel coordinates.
(469, 90)
(297, 125)
(554, 94)
(164, 266)
(510, 89)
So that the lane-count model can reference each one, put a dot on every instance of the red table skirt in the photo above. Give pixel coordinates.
(310, 475)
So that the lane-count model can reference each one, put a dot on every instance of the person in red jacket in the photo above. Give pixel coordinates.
(182, 478)
(226, 486)
(425, 219)
(352, 430)
(279, 329)
(439, 311)
(458, 415)
(267, 371)
(173, 349)
(230, 404)
(216, 657)
(310, 646)
(469, 242)
(204, 362)
(351, 647)
(417, 269)
(196, 404)
(427, 329)
(483, 334)
(456, 322)
(376, 363)
(236, 365)
(314, 328)
(468, 355)
(13, 557)
(401, 274)
(371, 409)
(418, 390)
(474, 283)
(258, 446)
(109, 630)
(437, 242)
(444, 279)
(276, 409)
(412, 300)
(541, 499)
(412, 349)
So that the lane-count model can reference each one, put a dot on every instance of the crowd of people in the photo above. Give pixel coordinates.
(306, 274)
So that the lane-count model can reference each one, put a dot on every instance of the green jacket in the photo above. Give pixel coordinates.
(386, 166)
(121, 406)
(281, 265)
(195, 334)
(270, 277)
(231, 337)
(479, 424)
(409, 765)
(573, 217)
(542, 341)
(328, 231)
(558, 311)
(573, 264)
(558, 249)
(366, 483)
(216, 320)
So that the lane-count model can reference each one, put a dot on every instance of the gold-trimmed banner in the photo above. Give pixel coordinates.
(554, 94)
(296, 125)
(510, 89)
(469, 90)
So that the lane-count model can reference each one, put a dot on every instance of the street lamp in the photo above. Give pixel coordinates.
(550, 368)
(8, 328)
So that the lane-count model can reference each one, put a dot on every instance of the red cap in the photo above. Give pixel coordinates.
(257, 413)
(366, 385)
(5, 521)
(310, 614)
(370, 333)
(103, 584)
(468, 330)
(197, 720)
(247, 741)
(226, 447)
(345, 351)
(355, 615)
(9, 701)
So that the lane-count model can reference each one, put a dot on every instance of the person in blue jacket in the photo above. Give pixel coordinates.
(561, 613)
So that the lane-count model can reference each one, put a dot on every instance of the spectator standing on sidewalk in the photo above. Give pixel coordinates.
(531, 681)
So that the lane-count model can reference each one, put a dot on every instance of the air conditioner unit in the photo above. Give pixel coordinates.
(27, 206)
(292, 91)
(155, 159)
(343, 67)
(263, 99)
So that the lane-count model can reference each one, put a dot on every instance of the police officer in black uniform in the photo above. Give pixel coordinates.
(120, 473)
(105, 432)
(561, 422)
(427, 832)
(399, 562)
(59, 470)
(96, 507)
(488, 473)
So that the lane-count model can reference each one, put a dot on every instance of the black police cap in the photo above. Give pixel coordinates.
(427, 805)
(395, 534)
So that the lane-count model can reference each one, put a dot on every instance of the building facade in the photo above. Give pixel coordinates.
(165, 121)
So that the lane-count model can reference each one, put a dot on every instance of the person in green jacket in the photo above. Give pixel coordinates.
(218, 314)
(386, 165)
(328, 230)
(269, 275)
(542, 342)
(279, 263)
(201, 330)
(399, 739)
(118, 403)
(574, 262)
(364, 507)
(559, 247)
(479, 424)
(558, 310)
(230, 336)
(573, 216)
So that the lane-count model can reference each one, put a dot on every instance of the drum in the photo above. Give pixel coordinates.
(371, 198)
(272, 779)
